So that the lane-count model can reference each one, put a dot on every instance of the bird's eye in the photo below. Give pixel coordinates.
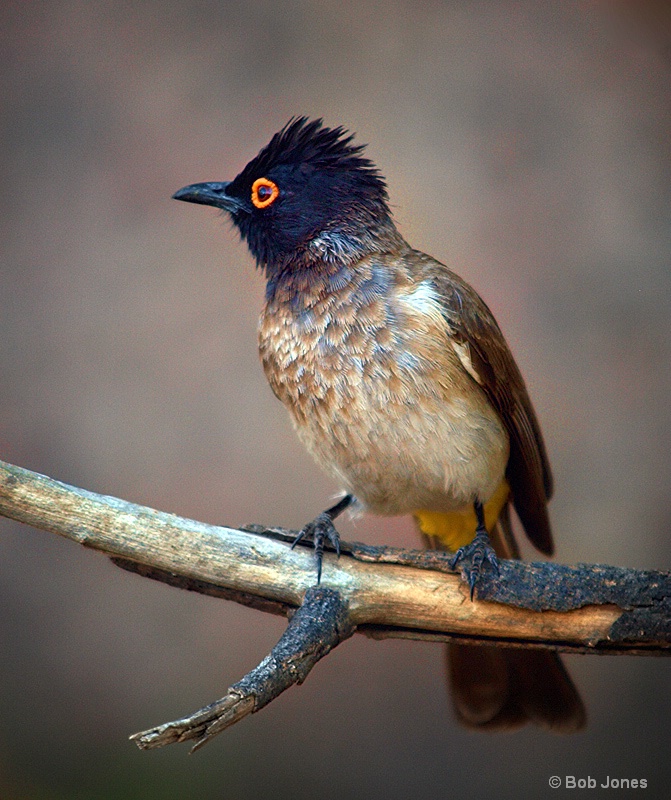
(264, 192)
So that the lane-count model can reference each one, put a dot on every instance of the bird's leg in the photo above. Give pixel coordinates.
(322, 528)
(475, 553)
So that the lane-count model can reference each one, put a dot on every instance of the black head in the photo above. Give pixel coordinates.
(308, 191)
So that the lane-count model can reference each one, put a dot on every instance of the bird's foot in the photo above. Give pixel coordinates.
(473, 556)
(320, 530)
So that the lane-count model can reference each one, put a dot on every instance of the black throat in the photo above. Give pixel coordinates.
(326, 259)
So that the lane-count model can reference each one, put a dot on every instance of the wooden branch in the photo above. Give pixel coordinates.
(585, 607)
(379, 591)
(314, 630)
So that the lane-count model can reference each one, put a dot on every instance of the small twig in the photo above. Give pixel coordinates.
(222, 713)
(319, 625)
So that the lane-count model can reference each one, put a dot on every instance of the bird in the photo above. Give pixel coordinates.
(400, 384)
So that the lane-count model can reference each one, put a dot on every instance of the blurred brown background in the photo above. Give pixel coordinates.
(528, 145)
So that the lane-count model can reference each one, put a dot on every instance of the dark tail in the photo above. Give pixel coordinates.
(504, 688)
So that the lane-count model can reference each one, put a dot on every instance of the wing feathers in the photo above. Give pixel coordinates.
(486, 357)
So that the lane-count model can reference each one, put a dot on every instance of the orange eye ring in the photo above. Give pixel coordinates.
(264, 192)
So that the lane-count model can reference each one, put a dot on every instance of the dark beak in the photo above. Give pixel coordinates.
(209, 194)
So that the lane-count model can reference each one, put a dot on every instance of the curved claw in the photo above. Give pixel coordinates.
(473, 556)
(320, 530)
